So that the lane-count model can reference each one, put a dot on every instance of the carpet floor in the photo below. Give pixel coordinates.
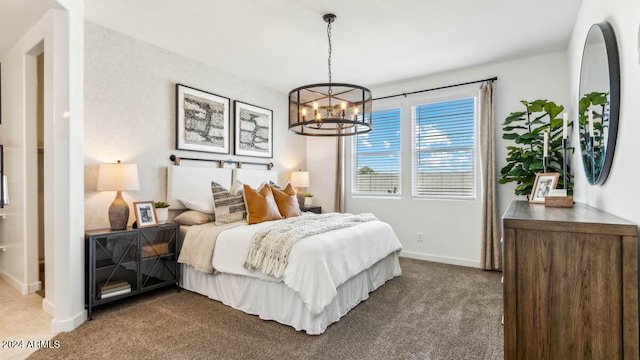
(433, 311)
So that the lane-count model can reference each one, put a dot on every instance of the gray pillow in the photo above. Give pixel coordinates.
(227, 207)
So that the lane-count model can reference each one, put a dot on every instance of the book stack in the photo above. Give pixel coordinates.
(114, 288)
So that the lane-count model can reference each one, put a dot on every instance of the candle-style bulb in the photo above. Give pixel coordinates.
(304, 114)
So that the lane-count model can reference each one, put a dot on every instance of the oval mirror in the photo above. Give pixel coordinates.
(599, 102)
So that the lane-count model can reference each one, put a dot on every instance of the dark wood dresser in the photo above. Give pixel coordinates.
(570, 283)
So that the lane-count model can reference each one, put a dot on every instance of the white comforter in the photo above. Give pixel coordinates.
(319, 264)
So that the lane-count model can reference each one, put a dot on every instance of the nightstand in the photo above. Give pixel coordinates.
(123, 263)
(313, 209)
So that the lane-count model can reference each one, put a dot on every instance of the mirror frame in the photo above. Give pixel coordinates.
(613, 63)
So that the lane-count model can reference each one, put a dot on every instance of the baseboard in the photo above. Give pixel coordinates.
(69, 324)
(36, 286)
(48, 306)
(23, 289)
(441, 259)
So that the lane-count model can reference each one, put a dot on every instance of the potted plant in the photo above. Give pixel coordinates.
(308, 197)
(162, 211)
(524, 159)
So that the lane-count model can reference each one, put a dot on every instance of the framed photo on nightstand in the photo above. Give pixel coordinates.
(145, 214)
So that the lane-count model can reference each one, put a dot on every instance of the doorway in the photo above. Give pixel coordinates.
(40, 174)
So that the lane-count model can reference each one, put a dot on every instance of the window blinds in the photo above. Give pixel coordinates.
(444, 149)
(376, 156)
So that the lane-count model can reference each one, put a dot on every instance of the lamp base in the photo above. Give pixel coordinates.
(118, 213)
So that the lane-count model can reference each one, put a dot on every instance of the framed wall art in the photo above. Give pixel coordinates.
(544, 182)
(145, 214)
(253, 130)
(202, 121)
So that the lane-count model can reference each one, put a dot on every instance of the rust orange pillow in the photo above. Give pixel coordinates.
(260, 204)
(287, 201)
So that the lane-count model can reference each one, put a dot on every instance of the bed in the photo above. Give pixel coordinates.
(327, 274)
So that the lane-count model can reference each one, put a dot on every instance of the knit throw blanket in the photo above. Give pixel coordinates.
(270, 247)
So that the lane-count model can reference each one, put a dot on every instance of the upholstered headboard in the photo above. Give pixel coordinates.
(183, 181)
(254, 177)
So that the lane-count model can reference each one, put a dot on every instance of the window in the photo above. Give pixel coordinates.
(443, 149)
(376, 156)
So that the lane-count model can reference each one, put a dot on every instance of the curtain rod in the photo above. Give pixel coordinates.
(176, 161)
(438, 88)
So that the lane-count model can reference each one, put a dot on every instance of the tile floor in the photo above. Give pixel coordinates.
(21, 319)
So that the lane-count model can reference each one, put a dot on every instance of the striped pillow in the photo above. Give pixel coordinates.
(226, 206)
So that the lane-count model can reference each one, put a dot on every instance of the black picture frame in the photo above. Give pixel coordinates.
(253, 127)
(202, 121)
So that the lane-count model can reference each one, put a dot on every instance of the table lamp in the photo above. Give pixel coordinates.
(300, 179)
(118, 177)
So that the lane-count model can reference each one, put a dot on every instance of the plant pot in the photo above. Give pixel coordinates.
(163, 215)
(308, 201)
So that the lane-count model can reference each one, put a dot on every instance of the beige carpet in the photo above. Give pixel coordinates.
(433, 311)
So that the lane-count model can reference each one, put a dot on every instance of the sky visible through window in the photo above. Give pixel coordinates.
(379, 149)
(444, 138)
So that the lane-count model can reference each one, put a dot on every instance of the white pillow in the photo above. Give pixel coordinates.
(237, 188)
(199, 202)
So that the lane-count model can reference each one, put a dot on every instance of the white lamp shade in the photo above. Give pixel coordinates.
(300, 179)
(118, 177)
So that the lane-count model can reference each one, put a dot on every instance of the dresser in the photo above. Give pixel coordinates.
(570, 283)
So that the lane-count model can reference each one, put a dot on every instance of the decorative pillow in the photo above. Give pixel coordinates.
(261, 206)
(198, 202)
(227, 207)
(287, 201)
(193, 217)
(274, 185)
(236, 188)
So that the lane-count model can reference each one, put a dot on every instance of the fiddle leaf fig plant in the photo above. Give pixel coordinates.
(525, 158)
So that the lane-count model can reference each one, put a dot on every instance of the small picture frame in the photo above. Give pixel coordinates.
(145, 214)
(253, 130)
(544, 182)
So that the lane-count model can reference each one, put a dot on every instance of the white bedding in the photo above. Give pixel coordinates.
(319, 264)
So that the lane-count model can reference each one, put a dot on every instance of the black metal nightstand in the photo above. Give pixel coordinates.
(313, 209)
(122, 263)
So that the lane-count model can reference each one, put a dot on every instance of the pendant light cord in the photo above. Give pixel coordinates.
(329, 59)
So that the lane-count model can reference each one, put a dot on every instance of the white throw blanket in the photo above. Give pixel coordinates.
(270, 247)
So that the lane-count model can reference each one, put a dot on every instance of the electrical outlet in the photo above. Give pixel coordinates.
(420, 237)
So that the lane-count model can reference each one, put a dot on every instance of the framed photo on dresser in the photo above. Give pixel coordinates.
(544, 182)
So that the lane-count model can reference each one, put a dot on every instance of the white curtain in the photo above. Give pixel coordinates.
(491, 258)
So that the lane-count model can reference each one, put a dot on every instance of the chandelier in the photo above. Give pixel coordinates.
(330, 109)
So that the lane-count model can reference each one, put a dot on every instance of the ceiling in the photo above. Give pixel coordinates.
(283, 43)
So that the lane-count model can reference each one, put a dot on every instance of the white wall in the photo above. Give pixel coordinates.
(619, 194)
(451, 228)
(130, 111)
(59, 34)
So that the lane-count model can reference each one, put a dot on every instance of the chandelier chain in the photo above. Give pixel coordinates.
(329, 59)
